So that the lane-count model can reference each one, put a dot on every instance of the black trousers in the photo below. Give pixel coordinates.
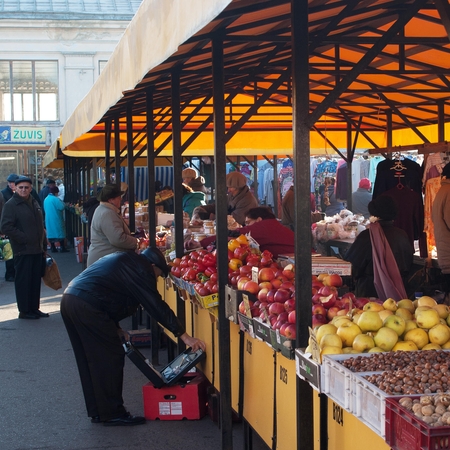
(28, 282)
(9, 269)
(99, 355)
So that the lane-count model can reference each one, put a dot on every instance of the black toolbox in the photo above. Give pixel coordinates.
(171, 373)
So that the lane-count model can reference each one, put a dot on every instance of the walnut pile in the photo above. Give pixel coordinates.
(434, 410)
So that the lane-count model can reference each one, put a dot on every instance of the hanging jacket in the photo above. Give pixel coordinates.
(440, 215)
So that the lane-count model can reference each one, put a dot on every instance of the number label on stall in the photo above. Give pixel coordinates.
(249, 347)
(283, 375)
(338, 414)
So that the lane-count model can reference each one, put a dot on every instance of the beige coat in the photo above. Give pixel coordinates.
(440, 215)
(109, 233)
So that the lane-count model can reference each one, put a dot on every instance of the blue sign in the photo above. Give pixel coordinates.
(12, 135)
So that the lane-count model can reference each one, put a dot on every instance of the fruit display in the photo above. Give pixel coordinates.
(375, 326)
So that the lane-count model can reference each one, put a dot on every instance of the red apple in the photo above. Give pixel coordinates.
(272, 319)
(290, 331)
(281, 295)
(291, 317)
(278, 281)
(262, 294)
(317, 284)
(283, 316)
(251, 287)
(318, 319)
(241, 282)
(333, 280)
(316, 298)
(242, 306)
(276, 308)
(289, 304)
(266, 274)
(287, 285)
(289, 274)
(283, 327)
(342, 312)
(319, 309)
(332, 312)
(246, 271)
(271, 295)
(265, 285)
(325, 291)
(278, 324)
(328, 301)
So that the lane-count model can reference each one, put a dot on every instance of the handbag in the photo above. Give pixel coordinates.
(51, 276)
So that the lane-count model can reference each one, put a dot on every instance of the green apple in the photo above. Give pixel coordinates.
(439, 334)
(330, 340)
(427, 319)
(407, 304)
(327, 328)
(347, 332)
(390, 304)
(385, 313)
(405, 313)
(385, 338)
(397, 323)
(370, 321)
(418, 335)
(363, 342)
(373, 306)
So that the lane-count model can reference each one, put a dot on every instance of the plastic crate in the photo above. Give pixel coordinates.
(404, 431)
(337, 382)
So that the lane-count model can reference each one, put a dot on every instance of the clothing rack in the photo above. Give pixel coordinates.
(426, 148)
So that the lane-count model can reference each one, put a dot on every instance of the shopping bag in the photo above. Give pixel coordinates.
(51, 276)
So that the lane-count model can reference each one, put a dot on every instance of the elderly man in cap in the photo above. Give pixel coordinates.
(109, 232)
(92, 306)
(23, 223)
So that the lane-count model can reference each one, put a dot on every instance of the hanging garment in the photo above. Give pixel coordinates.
(386, 275)
(432, 186)
(341, 181)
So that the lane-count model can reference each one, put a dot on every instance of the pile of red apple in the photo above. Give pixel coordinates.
(326, 302)
(275, 298)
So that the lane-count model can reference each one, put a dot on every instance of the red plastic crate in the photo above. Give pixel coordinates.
(185, 400)
(404, 431)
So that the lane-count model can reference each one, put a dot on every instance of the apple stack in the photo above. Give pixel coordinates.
(388, 326)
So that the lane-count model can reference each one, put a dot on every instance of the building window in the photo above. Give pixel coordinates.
(29, 91)
(101, 66)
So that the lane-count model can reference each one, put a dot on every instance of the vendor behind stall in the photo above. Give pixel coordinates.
(240, 200)
(383, 211)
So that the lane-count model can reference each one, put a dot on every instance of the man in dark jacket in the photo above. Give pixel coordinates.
(46, 189)
(92, 305)
(22, 222)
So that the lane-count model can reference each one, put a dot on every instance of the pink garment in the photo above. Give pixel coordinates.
(386, 276)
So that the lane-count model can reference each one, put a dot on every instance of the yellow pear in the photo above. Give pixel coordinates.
(376, 350)
(407, 304)
(330, 350)
(363, 342)
(431, 346)
(370, 321)
(328, 328)
(419, 309)
(347, 332)
(390, 304)
(406, 346)
(409, 325)
(397, 323)
(373, 306)
(439, 334)
(385, 313)
(426, 301)
(419, 336)
(446, 346)
(385, 338)
(337, 321)
(405, 313)
(330, 340)
(427, 319)
(443, 311)
(347, 350)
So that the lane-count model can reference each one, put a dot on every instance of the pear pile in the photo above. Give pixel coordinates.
(405, 325)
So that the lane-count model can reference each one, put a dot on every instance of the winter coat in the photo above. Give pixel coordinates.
(109, 233)
(192, 200)
(54, 217)
(7, 193)
(440, 215)
(241, 203)
(360, 199)
(23, 223)
(360, 255)
(2, 202)
(118, 284)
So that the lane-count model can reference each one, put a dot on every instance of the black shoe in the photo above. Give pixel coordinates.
(9, 279)
(40, 313)
(95, 419)
(126, 419)
(28, 315)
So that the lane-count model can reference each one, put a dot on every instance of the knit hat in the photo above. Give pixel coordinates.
(383, 207)
(12, 177)
(53, 189)
(236, 180)
(23, 179)
(365, 183)
(108, 192)
(446, 171)
(189, 173)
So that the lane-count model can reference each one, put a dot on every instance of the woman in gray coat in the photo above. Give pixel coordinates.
(109, 232)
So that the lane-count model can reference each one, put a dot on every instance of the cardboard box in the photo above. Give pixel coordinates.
(185, 400)
(330, 265)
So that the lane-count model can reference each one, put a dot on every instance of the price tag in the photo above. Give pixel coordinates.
(255, 271)
(245, 299)
(315, 348)
(172, 255)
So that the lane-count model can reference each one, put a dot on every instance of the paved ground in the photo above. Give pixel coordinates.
(41, 401)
